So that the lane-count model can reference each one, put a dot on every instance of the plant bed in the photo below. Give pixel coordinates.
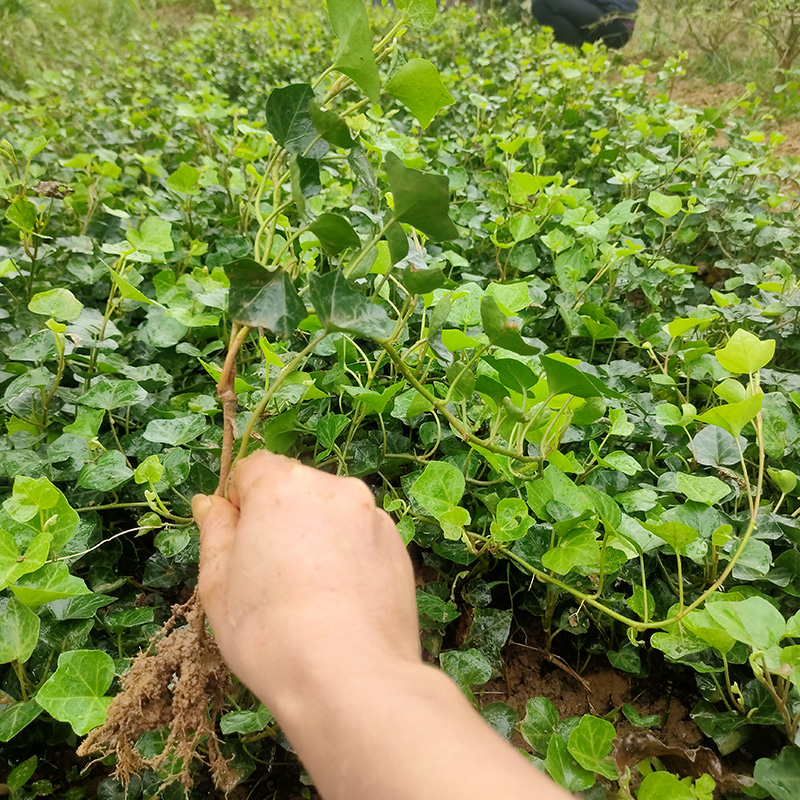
(547, 319)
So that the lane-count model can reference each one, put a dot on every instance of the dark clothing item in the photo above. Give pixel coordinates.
(577, 21)
(618, 6)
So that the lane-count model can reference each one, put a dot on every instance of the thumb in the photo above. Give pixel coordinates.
(217, 520)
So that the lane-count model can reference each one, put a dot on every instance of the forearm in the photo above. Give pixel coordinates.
(405, 733)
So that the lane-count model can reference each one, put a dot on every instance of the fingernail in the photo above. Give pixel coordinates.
(201, 505)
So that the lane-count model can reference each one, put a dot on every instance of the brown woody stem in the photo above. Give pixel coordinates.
(226, 389)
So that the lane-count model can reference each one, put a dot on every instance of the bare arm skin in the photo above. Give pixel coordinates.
(310, 593)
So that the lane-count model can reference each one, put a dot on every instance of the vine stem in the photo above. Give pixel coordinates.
(259, 409)
(20, 672)
(107, 506)
(439, 404)
(635, 623)
(226, 389)
(59, 375)
(367, 247)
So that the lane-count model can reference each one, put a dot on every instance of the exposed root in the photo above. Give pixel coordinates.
(181, 686)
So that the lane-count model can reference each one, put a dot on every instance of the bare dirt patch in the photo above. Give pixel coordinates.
(598, 688)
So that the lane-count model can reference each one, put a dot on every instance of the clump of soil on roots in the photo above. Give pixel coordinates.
(179, 683)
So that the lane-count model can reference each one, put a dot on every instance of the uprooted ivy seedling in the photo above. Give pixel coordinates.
(518, 291)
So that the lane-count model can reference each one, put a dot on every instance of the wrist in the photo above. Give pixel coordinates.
(331, 693)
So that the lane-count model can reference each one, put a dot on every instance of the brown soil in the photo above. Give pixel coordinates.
(533, 672)
(790, 128)
(695, 93)
(530, 671)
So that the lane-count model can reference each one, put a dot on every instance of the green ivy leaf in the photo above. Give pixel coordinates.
(564, 770)
(731, 391)
(335, 233)
(715, 447)
(664, 786)
(439, 488)
(177, 431)
(745, 352)
(131, 617)
(436, 609)
(184, 179)
(420, 200)
(19, 630)
(154, 237)
(591, 742)
(702, 625)
(17, 716)
(21, 774)
(13, 564)
(577, 548)
(58, 304)
(732, 417)
(29, 497)
(779, 776)
(467, 668)
(462, 380)
(245, 722)
(683, 648)
(665, 205)
(328, 429)
(50, 582)
(306, 181)
(419, 88)
(636, 719)
(58, 523)
(289, 120)
(562, 378)
(501, 717)
(420, 280)
(501, 330)
(754, 621)
(453, 522)
(421, 12)
(331, 127)
(396, 239)
(341, 308)
(108, 394)
(109, 472)
(149, 471)
(83, 606)
(784, 479)
(511, 520)
(354, 56)
(262, 299)
(702, 488)
(676, 534)
(541, 719)
(637, 602)
(22, 214)
(74, 693)
(129, 291)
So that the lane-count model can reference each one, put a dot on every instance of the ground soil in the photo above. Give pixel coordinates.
(598, 688)
(576, 687)
(696, 93)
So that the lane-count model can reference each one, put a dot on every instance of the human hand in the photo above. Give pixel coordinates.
(304, 580)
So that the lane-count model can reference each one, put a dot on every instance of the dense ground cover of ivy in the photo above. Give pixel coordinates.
(537, 306)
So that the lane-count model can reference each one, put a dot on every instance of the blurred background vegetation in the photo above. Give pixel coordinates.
(726, 41)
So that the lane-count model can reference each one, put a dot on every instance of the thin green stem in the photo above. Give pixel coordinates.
(362, 254)
(23, 683)
(259, 409)
(108, 506)
(440, 404)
